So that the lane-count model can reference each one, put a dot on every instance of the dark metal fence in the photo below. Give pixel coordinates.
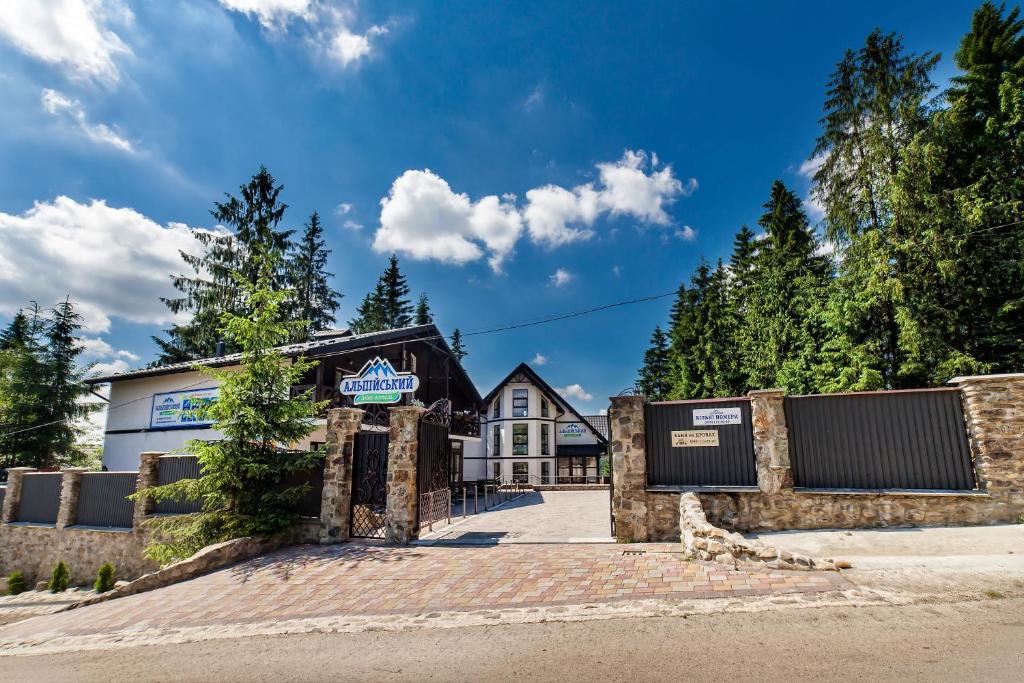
(880, 440)
(730, 463)
(102, 500)
(3, 494)
(309, 505)
(434, 464)
(369, 484)
(175, 468)
(40, 497)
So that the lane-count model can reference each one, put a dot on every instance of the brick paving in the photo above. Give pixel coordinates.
(535, 517)
(370, 579)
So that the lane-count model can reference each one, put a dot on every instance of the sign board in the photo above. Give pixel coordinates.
(571, 430)
(707, 417)
(695, 437)
(378, 382)
(180, 409)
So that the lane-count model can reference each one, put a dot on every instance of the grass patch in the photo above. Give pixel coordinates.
(994, 595)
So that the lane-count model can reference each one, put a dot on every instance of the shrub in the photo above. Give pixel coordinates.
(16, 583)
(104, 578)
(59, 579)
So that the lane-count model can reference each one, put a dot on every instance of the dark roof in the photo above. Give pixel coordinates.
(555, 396)
(600, 423)
(313, 348)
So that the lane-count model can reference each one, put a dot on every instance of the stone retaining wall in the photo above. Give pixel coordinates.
(993, 408)
(35, 550)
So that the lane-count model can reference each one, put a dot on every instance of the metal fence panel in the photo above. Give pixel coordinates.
(102, 500)
(880, 440)
(731, 463)
(309, 504)
(40, 497)
(175, 468)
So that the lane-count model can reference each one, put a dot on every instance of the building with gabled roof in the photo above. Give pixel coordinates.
(533, 434)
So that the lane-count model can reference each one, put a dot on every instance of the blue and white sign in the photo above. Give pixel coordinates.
(571, 430)
(378, 382)
(707, 417)
(182, 409)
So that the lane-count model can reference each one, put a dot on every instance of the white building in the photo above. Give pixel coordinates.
(149, 409)
(532, 434)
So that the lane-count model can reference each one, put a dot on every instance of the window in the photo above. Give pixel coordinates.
(496, 469)
(317, 446)
(497, 440)
(544, 407)
(521, 471)
(545, 448)
(520, 402)
(496, 411)
(520, 440)
(545, 473)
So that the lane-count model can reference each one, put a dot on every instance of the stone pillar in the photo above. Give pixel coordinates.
(70, 487)
(149, 476)
(994, 411)
(336, 498)
(771, 440)
(12, 499)
(629, 467)
(403, 493)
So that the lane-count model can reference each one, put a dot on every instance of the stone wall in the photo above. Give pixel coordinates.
(35, 550)
(993, 408)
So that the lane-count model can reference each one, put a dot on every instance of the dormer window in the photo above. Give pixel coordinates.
(520, 402)
(496, 411)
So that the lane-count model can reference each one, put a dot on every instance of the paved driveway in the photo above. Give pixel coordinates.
(357, 579)
(534, 517)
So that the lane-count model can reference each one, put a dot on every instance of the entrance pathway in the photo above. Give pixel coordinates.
(534, 517)
(358, 579)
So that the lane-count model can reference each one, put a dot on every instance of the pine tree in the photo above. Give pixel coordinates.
(314, 300)
(875, 106)
(244, 489)
(423, 313)
(655, 377)
(458, 349)
(386, 307)
(213, 289)
(785, 288)
(16, 333)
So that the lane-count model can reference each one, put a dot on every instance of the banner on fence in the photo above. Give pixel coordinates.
(707, 417)
(694, 437)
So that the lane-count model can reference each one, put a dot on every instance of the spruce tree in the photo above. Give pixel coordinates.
(244, 490)
(212, 289)
(423, 313)
(655, 377)
(458, 347)
(387, 306)
(314, 300)
(16, 333)
(370, 313)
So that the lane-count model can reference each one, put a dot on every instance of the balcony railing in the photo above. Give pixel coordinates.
(465, 423)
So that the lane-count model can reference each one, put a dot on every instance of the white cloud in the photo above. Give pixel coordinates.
(110, 261)
(617, 270)
(636, 185)
(272, 14)
(813, 204)
(75, 35)
(603, 411)
(352, 225)
(326, 27)
(71, 111)
(686, 233)
(111, 368)
(343, 209)
(539, 359)
(561, 277)
(575, 391)
(423, 218)
(535, 99)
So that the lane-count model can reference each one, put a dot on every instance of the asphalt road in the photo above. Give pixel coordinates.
(980, 640)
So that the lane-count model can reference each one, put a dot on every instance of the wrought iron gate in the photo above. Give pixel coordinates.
(369, 484)
(434, 464)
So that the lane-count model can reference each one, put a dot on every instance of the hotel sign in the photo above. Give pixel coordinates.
(182, 409)
(707, 417)
(692, 438)
(378, 382)
(571, 431)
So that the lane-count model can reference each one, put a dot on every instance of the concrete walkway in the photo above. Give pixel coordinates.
(534, 517)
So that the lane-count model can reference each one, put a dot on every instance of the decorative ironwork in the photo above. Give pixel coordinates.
(375, 415)
(369, 485)
(465, 423)
(439, 412)
(634, 390)
(435, 506)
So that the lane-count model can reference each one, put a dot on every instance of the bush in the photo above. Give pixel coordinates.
(59, 579)
(16, 583)
(104, 578)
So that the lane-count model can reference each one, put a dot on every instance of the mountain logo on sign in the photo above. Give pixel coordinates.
(377, 382)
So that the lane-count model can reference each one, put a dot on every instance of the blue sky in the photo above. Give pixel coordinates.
(575, 158)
